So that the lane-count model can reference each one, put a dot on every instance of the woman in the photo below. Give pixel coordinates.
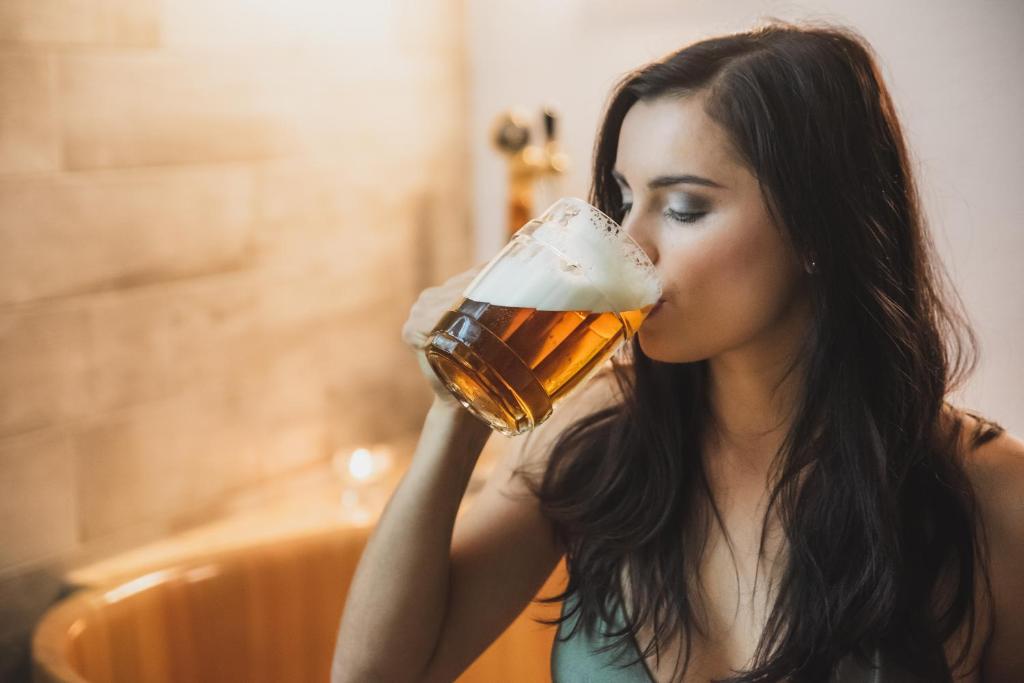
(773, 486)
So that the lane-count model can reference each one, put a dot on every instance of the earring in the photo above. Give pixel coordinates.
(812, 267)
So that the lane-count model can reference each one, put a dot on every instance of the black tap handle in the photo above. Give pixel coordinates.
(550, 124)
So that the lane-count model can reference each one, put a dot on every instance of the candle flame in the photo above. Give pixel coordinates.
(360, 464)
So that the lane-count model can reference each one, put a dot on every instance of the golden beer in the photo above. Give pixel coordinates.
(543, 315)
(512, 364)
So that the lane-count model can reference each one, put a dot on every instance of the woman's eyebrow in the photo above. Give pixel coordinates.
(666, 180)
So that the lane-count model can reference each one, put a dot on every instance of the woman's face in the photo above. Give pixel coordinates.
(729, 276)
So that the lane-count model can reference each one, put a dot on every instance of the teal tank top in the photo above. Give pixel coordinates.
(576, 660)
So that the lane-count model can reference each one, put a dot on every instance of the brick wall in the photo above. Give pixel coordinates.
(214, 216)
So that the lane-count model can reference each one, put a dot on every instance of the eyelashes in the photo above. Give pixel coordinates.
(692, 217)
(677, 216)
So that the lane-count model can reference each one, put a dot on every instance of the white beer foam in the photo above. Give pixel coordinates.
(573, 259)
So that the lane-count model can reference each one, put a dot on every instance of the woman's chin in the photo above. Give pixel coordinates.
(652, 348)
(655, 347)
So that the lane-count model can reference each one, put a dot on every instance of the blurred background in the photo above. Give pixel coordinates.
(215, 214)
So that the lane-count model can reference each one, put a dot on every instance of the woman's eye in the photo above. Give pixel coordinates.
(684, 217)
(678, 216)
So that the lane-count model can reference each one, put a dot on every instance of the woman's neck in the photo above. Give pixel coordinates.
(754, 392)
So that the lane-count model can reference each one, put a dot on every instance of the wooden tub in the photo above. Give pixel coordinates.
(266, 613)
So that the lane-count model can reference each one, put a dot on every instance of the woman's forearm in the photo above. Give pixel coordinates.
(396, 604)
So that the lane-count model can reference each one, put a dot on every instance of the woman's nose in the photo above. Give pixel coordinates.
(635, 227)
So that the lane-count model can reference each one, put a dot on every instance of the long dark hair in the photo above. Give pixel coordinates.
(882, 538)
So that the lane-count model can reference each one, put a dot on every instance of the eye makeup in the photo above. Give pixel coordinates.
(682, 208)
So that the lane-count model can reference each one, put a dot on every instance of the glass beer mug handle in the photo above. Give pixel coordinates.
(432, 303)
(429, 306)
(549, 309)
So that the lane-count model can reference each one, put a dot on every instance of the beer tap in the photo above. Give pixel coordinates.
(528, 163)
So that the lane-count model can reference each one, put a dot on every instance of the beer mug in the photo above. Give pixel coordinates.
(542, 317)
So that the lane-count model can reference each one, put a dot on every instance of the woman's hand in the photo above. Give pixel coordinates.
(432, 303)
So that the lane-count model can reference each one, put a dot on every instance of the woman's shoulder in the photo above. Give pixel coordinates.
(994, 463)
(993, 460)
(995, 468)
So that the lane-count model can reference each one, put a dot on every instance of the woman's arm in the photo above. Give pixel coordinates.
(998, 476)
(396, 603)
(426, 599)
